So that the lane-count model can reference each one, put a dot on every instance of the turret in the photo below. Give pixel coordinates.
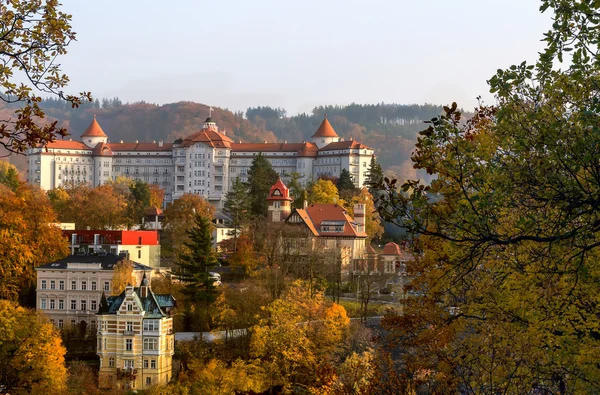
(280, 202)
(94, 134)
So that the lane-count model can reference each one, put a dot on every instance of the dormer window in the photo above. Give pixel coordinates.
(129, 306)
(276, 192)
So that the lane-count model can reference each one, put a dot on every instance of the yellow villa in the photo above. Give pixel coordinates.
(135, 338)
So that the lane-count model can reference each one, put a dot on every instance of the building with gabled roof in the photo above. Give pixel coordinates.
(135, 338)
(205, 163)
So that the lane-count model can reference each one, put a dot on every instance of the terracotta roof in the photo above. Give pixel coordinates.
(309, 150)
(344, 145)
(102, 149)
(267, 147)
(392, 248)
(140, 146)
(209, 137)
(66, 144)
(284, 192)
(315, 214)
(325, 130)
(94, 130)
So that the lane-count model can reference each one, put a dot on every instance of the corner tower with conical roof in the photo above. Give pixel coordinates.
(94, 134)
(325, 134)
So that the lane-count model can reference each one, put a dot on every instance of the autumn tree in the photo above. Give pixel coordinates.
(323, 191)
(179, 218)
(32, 357)
(9, 175)
(29, 239)
(33, 35)
(261, 178)
(157, 196)
(373, 226)
(509, 227)
(195, 264)
(122, 276)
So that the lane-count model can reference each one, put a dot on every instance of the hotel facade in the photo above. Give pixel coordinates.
(205, 163)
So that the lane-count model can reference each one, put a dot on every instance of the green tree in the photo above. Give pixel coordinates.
(139, 201)
(9, 175)
(323, 191)
(374, 177)
(261, 178)
(194, 265)
(32, 357)
(179, 219)
(345, 185)
(297, 191)
(237, 207)
(509, 228)
(33, 34)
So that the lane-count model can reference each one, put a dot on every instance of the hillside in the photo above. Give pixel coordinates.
(389, 128)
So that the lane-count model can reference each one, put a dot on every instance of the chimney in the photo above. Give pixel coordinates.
(160, 143)
(359, 216)
(153, 141)
(137, 142)
(304, 204)
(121, 141)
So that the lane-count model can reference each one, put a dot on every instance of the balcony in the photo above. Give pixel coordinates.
(128, 333)
(126, 374)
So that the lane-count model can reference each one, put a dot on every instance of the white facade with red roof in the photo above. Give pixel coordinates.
(205, 163)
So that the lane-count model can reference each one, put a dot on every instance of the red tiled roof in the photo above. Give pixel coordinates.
(284, 192)
(325, 130)
(344, 145)
(140, 146)
(102, 149)
(94, 130)
(392, 248)
(66, 144)
(315, 214)
(209, 137)
(306, 148)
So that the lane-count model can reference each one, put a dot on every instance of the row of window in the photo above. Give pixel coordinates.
(59, 304)
(83, 285)
(61, 324)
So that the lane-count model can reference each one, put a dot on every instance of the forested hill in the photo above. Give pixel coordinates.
(389, 128)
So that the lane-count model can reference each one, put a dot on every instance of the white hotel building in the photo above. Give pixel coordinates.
(205, 163)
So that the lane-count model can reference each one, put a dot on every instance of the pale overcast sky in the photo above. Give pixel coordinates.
(298, 54)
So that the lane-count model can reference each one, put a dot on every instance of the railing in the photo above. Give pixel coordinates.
(128, 333)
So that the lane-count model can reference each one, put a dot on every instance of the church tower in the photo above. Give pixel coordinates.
(280, 202)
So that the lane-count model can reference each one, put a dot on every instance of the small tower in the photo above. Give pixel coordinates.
(94, 134)
(209, 124)
(359, 217)
(325, 134)
(280, 202)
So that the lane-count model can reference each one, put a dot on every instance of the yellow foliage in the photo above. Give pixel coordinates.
(31, 352)
(122, 276)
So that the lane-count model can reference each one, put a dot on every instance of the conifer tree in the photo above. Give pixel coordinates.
(261, 177)
(375, 179)
(195, 265)
(237, 207)
(345, 185)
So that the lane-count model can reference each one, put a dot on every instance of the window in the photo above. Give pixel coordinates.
(129, 306)
(61, 285)
(129, 326)
(111, 362)
(148, 380)
(83, 285)
(61, 304)
(52, 284)
(145, 364)
(73, 285)
(107, 286)
(129, 345)
(93, 285)
(43, 284)
(153, 364)
(43, 304)
(94, 326)
(52, 304)
(61, 324)
(84, 305)
(128, 364)
(150, 344)
(93, 306)
(150, 325)
(73, 324)
(73, 305)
